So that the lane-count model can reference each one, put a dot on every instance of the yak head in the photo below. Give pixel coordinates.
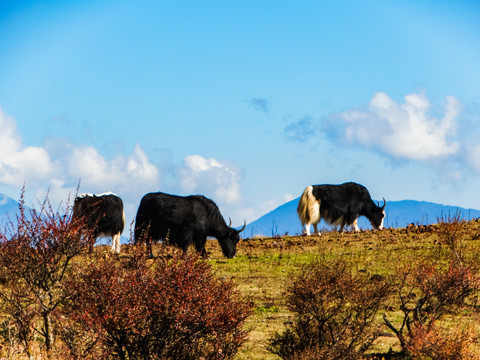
(377, 216)
(229, 242)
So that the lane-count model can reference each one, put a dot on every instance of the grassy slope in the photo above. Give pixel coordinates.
(263, 267)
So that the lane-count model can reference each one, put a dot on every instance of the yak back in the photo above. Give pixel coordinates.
(348, 200)
(162, 213)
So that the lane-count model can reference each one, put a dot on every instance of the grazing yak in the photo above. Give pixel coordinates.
(102, 215)
(338, 205)
(183, 220)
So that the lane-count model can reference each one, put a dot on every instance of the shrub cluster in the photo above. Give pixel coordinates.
(68, 306)
(36, 252)
(440, 343)
(335, 311)
(427, 293)
(166, 309)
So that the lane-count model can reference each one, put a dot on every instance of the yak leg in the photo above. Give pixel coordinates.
(315, 228)
(307, 229)
(200, 246)
(184, 238)
(355, 226)
(118, 246)
(340, 221)
(116, 243)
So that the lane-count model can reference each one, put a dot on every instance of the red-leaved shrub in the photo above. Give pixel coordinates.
(36, 253)
(432, 342)
(335, 310)
(428, 292)
(169, 308)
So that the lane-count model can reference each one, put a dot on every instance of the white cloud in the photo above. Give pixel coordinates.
(211, 177)
(18, 165)
(127, 173)
(407, 130)
(9, 139)
(60, 165)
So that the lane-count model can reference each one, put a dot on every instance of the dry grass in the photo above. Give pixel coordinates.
(264, 265)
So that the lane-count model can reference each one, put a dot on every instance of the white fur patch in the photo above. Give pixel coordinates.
(97, 195)
(355, 226)
(381, 224)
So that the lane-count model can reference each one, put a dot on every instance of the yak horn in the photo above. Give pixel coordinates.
(229, 222)
(244, 226)
(384, 204)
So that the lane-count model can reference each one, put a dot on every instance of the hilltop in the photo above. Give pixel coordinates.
(284, 220)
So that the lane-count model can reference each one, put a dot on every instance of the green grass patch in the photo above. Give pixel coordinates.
(265, 309)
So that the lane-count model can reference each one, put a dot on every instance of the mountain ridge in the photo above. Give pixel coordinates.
(8, 209)
(284, 220)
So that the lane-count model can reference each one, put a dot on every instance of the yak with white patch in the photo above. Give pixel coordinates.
(102, 215)
(338, 205)
(182, 221)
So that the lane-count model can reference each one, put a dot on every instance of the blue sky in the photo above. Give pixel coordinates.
(245, 102)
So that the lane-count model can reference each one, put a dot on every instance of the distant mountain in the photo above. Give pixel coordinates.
(8, 209)
(399, 214)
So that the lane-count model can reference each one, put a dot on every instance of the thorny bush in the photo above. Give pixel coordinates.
(36, 252)
(432, 342)
(427, 293)
(335, 310)
(449, 232)
(168, 308)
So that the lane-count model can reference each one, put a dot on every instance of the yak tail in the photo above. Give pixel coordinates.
(308, 207)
